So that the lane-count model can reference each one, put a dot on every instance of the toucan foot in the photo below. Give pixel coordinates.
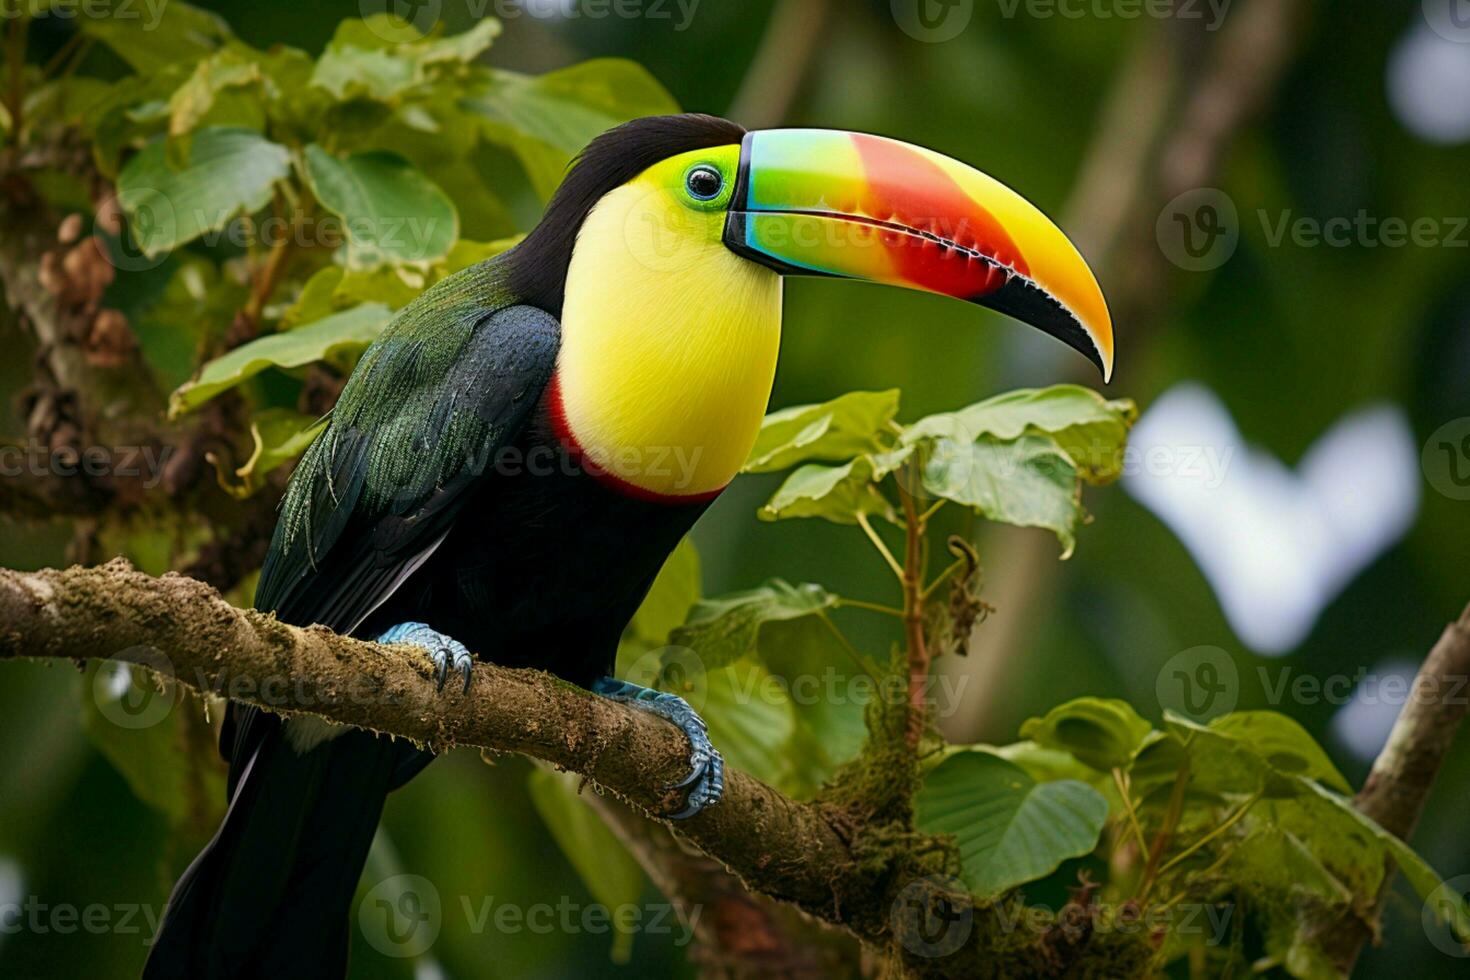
(446, 652)
(706, 779)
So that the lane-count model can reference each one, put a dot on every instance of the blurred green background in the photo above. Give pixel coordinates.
(1367, 114)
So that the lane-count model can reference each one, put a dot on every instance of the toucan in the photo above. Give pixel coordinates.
(513, 459)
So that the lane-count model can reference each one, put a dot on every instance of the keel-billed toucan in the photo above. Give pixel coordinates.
(512, 461)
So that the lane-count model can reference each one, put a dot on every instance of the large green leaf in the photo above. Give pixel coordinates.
(383, 57)
(750, 719)
(230, 170)
(349, 331)
(723, 630)
(1104, 733)
(1244, 751)
(545, 119)
(829, 695)
(1426, 882)
(1089, 428)
(332, 288)
(150, 36)
(833, 431)
(192, 102)
(119, 118)
(1009, 828)
(1283, 744)
(1046, 765)
(391, 212)
(612, 875)
(1030, 482)
(835, 493)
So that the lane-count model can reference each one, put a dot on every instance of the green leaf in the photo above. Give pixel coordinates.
(291, 102)
(723, 630)
(1290, 890)
(612, 875)
(230, 170)
(1090, 429)
(1249, 750)
(1277, 862)
(149, 36)
(65, 100)
(390, 210)
(1009, 828)
(117, 119)
(197, 305)
(545, 119)
(835, 493)
(1045, 765)
(1030, 482)
(1104, 733)
(840, 429)
(829, 696)
(350, 331)
(1283, 744)
(333, 288)
(460, 48)
(1426, 882)
(279, 436)
(382, 58)
(316, 298)
(192, 101)
(750, 720)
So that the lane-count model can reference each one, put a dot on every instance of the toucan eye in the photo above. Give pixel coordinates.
(704, 183)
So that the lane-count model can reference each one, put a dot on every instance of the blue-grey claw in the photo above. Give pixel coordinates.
(443, 650)
(706, 779)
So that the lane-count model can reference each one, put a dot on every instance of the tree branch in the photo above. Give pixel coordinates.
(1398, 786)
(185, 630)
(885, 889)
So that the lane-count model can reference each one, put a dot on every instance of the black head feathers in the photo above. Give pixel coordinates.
(538, 266)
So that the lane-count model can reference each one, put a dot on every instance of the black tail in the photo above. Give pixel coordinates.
(270, 894)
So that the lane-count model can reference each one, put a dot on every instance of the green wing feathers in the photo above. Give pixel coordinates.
(451, 380)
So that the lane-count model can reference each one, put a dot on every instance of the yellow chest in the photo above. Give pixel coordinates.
(669, 345)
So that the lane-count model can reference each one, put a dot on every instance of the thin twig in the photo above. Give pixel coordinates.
(1123, 792)
(1225, 825)
(867, 527)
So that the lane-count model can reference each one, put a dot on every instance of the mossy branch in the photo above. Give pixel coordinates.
(807, 854)
(183, 629)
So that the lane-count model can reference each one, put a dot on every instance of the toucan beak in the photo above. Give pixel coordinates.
(831, 203)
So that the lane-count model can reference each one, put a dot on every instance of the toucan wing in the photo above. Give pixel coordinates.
(421, 421)
(452, 380)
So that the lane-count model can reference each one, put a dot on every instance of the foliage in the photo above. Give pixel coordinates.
(313, 196)
(1245, 812)
(1019, 458)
